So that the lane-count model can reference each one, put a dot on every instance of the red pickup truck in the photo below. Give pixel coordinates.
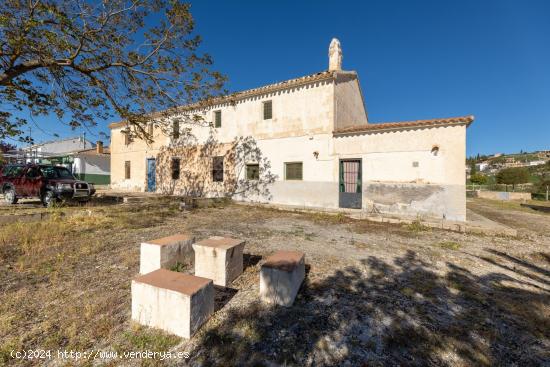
(47, 182)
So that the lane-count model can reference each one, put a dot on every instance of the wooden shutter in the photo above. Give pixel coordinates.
(268, 110)
(127, 170)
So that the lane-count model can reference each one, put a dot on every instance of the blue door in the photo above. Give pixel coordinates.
(151, 174)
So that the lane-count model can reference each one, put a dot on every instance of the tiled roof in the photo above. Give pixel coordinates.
(296, 82)
(93, 151)
(391, 126)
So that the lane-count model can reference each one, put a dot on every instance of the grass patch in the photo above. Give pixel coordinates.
(449, 245)
(417, 227)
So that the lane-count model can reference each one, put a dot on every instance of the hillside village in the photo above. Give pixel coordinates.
(526, 171)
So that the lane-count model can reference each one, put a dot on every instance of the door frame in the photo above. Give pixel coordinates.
(346, 199)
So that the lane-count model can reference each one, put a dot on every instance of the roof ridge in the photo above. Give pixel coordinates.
(318, 76)
(467, 120)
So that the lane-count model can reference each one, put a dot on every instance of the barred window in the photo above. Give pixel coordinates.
(293, 171)
(253, 171)
(127, 170)
(218, 118)
(175, 168)
(217, 169)
(268, 110)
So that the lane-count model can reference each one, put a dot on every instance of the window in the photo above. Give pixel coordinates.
(127, 170)
(415, 164)
(268, 110)
(175, 129)
(175, 168)
(150, 130)
(12, 171)
(253, 171)
(293, 171)
(217, 169)
(218, 118)
(56, 172)
(126, 137)
(33, 172)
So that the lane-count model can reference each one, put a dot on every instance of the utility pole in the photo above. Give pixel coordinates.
(547, 192)
(30, 144)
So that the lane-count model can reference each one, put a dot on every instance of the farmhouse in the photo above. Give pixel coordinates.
(310, 141)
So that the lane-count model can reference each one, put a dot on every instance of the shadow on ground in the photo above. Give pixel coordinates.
(399, 313)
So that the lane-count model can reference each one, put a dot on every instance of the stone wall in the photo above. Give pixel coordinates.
(501, 195)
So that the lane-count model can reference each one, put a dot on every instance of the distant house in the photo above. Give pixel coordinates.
(537, 163)
(92, 165)
(36, 152)
(482, 166)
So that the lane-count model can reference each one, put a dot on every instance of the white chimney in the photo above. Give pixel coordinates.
(335, 55)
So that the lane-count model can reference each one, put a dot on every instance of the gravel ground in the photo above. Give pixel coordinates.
(375, 294)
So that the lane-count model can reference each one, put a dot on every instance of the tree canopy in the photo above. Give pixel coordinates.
(513, 176)
(478, 179)
(84, 60)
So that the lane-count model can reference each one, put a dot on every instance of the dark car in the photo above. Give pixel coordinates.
(47, 182)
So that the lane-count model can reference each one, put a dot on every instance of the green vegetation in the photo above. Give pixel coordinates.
(449, 245)
(416, 226)
(513, 176)
(84, 61)
(478, 179)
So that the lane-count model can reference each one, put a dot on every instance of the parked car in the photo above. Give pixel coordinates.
(47, 182)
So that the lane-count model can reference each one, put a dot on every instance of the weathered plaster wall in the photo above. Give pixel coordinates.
(297, 112)
(402, 175)
(93, 168)
(136, 152)
(348, 102)
(196, 171)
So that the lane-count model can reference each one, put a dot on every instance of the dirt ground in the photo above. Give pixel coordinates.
(375, 294)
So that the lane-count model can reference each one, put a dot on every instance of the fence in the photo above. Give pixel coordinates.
(527, 188)
(501, 187)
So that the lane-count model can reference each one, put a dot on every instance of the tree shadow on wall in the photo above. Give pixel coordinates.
(399, 313)
(197, 168)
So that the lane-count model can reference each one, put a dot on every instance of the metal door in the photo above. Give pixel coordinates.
(350, 191)
(151, 174)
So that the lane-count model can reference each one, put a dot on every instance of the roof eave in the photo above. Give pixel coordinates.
(403, 128)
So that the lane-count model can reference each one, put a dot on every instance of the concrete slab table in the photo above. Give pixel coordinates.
(219, 259)
(174, 302)
(163, 253)
(281, 277)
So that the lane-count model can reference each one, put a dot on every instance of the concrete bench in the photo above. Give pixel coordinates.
(281, 276)
(219, 259)
(163, 253)
(175, 302)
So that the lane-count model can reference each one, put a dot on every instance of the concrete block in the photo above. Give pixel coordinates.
(165, 252)
(281, 277)
(174, 302)
(219, 259)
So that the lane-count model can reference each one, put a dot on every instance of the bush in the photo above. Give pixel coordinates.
(478, 179)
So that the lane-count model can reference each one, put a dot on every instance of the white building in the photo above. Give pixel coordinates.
(56, 147)
(482, 166)
(315, 132)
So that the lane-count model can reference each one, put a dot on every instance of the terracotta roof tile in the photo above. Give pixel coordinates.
(389, 126)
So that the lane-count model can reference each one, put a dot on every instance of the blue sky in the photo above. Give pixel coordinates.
(415, 59)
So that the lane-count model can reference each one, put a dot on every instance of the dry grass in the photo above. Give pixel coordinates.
(371, 290)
